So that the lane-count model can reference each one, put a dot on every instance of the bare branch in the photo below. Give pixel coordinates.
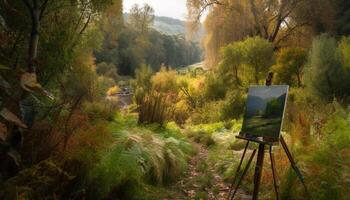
(42, 9)
(290, 31)
(205, 6)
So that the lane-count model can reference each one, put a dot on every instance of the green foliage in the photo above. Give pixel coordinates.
(124, 162)
(233, 106)
(215, 87)
(326, 74)
(246, 61)
(202, 137)
(141, 18)
(155, 95)
(136, 43)
(259, 56)
(99, 111)
(38, 182)
(290, 65)
(231, 66)
(107, 70)
(343, 52)
(103, 85)
(117, 169)
(207, 113)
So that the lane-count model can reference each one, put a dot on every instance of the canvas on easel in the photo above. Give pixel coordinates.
(264, 113)
(262, 124)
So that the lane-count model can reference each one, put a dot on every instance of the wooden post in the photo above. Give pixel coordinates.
(258, 170)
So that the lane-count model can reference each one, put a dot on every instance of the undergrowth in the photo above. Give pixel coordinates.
(151, 155)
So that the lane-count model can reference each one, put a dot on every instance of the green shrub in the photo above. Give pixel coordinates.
(326, 74)
(99, 111)
(289, 66)
(325, 162)
(208, 113)
(333, 153)
(215, 87)
(233, 106)
(117, 169)
(202, 137)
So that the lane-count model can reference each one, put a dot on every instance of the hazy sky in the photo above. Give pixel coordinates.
(169, 8)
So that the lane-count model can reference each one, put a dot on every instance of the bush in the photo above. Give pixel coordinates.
(233, 106)
(208, 113)
(202, 137)
(326, 74)
(290, 65)
(324, 160)
(333, 153)
(215, 87)
(155, 95)
(99, 110)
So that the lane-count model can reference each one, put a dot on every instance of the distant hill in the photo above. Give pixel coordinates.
(169, 25)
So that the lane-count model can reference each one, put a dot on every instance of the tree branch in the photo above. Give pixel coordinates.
(205, 6)
(42, 9)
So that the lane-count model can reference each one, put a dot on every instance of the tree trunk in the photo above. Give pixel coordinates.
(256, 75)
(34, 39)
(299, 80)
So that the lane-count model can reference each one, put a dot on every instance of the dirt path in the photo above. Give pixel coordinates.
(202, 182)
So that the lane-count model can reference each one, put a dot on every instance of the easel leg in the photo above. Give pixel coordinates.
(258, 170)
(244, 173)
(238, 169)
(292, 162)
(275, 183)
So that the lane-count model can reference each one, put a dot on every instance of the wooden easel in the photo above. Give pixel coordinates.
(260, 163)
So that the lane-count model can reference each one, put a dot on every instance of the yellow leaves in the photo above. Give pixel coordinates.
(9, 116)
(29, 83)
(113, 91)
(165, 80)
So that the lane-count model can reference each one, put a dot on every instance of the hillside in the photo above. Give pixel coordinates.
(170, 26)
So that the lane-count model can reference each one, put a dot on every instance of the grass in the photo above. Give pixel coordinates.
(139, 156)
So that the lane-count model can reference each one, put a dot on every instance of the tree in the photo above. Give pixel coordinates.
(258, 55)
(230, 20)
(141, 18)
(40, 41)
(327, 75)
(289, 66)
(231, 63)
(246, 61)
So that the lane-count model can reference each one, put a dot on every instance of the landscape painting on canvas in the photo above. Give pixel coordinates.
(264, 113)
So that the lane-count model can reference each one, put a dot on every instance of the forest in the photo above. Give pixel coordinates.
(96, 103)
